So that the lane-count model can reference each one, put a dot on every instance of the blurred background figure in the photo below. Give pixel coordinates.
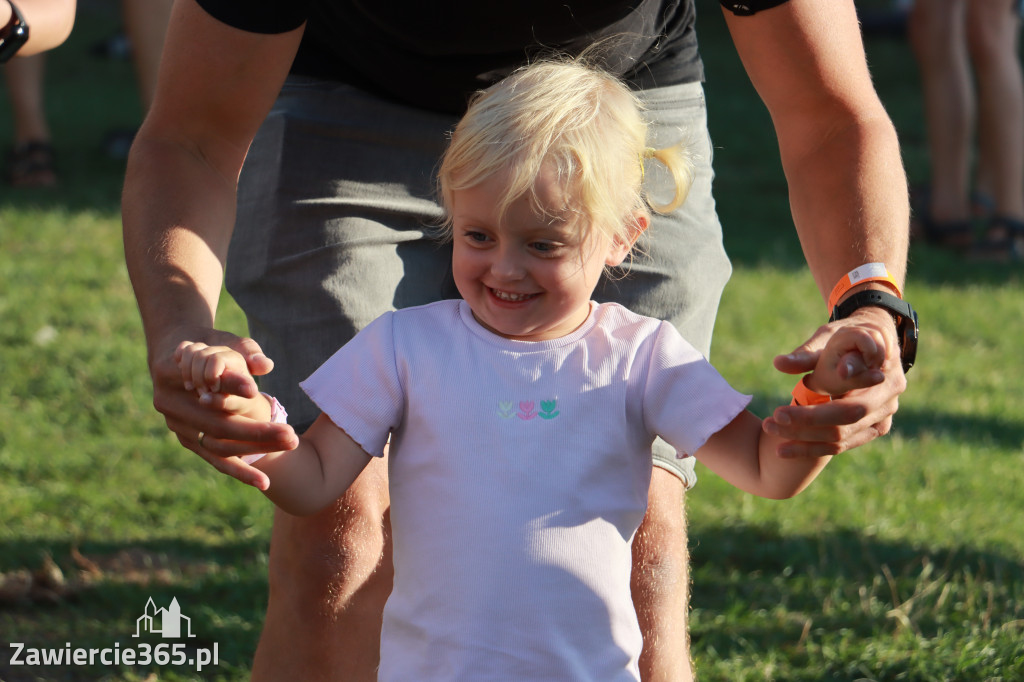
(145, 24)
(967, 52)
(50, 22)
(890, 20)
(30, 157)
(30, 160)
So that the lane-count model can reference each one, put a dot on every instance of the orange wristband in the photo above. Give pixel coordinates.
(869, 272)
(804, 396)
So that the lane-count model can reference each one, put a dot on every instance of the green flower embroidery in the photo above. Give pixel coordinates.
(505, 409)
(548, 409)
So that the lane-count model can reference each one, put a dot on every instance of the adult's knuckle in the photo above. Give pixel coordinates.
(858, 411)
(899, 381)
(163, 401)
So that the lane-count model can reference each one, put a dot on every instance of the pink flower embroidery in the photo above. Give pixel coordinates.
(527, 410)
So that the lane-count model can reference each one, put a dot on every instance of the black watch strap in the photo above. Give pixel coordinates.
(902, 313)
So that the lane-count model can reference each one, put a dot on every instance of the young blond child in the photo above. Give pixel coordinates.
(521, 417)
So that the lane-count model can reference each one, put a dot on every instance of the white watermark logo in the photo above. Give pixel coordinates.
(167, 622)
(164, 622)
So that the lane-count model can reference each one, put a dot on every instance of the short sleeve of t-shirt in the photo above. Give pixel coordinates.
(747, 7)
(359, 387)
(266, 16)
(685, 399)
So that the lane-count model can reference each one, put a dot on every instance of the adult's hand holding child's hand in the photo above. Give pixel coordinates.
(225, 435)
(865, 380)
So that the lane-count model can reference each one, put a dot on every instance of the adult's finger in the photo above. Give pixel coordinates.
(231, 434)
(849, 440)
(802, 359)
(837, 426)
(258, 363)
(231, 465)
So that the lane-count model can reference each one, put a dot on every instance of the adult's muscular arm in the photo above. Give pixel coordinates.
(847, 187)
(216, 85)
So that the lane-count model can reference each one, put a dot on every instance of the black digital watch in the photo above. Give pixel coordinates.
(902, 312)
(13, 35)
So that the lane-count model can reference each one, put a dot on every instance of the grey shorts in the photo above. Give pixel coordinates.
(334, 206)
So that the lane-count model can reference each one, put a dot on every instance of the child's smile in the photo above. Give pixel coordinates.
(528, 274)
(510, 297)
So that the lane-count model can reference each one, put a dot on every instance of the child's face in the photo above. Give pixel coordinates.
(529, 276)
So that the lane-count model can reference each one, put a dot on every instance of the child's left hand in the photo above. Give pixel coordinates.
(852, 359)
(857, 362)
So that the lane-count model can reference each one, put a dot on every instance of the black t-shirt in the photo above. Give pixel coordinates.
(433, 54)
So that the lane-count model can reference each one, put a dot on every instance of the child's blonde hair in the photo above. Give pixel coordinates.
(584, 122)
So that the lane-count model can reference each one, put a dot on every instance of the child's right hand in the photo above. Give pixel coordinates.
(852, 359)
(203, 370)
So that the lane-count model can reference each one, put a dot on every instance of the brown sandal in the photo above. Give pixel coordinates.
(32, 164)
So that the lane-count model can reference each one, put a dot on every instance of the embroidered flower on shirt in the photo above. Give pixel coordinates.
(527, 410)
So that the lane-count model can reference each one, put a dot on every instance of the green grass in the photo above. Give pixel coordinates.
(904, 561)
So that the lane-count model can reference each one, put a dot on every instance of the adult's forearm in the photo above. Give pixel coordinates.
(853, 183)
(848, 191)
(178, 215)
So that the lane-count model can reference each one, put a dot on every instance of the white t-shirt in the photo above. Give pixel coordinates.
(519, 472)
